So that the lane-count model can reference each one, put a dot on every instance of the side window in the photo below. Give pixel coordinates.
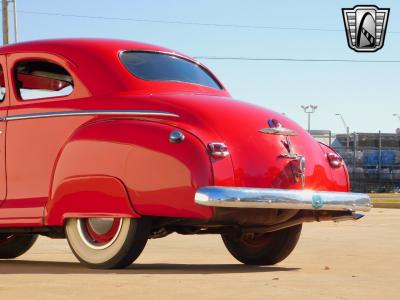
(2, 85)
(39, 79)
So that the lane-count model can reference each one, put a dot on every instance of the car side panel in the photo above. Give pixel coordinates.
(32, 148)
(3, 112)
(32, 145)
(160, 177)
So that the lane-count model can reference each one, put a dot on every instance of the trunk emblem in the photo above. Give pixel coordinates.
(299, 170)
(297, 161)
(274, 123)
(276, 128)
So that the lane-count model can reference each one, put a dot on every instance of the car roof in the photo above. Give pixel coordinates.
(100, 56)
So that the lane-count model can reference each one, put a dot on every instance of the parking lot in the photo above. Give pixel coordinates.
(349, 260)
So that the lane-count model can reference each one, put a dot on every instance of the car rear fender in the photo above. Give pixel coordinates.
(128, 161)
(88, 196)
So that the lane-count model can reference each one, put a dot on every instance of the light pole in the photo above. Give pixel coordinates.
(309, 109)
(347, 130)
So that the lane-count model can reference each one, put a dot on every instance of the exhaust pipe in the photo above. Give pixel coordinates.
(353, 217)
(306, 217)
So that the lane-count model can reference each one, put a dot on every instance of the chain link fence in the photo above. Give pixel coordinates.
(373, 159)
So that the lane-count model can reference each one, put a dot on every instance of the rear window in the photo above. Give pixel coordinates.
(165, 67)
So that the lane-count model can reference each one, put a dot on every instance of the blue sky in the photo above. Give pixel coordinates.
(367, 94)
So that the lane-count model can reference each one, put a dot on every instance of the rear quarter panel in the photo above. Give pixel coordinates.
(160, 177)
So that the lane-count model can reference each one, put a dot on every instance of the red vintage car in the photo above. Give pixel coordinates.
(109, 143)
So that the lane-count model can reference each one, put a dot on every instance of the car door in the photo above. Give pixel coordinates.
(39, 85)
(4, 103)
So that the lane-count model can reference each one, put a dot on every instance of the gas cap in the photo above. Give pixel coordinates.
(176, 136)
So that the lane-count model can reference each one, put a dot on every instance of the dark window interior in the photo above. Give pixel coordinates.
(165, 67)
(39, 79)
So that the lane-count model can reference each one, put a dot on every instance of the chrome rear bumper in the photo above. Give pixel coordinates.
(281, 199)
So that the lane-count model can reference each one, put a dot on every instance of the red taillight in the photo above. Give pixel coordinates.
(335, 160)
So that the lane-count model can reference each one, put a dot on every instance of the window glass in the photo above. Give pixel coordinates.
(39, 79)
(2, 85)
(166, 67)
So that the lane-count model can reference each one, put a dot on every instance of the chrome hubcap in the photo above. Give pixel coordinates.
(101, 225)
(99, 233)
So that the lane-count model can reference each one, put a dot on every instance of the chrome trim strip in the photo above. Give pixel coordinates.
(91, 112)
(278, 131)
(281, 199)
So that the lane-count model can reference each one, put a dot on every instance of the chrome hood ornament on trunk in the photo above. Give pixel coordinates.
(275, 127)
(297, 161)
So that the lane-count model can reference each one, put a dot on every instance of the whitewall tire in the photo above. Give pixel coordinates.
(107, 243)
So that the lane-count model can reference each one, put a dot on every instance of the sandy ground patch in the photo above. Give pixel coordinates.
(349, 260)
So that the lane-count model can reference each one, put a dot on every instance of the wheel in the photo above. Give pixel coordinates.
(267, 249)
(14, 245)
(107, 243)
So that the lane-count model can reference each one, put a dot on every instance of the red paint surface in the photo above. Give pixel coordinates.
(100, 196)
(87, 166)
(3, 112)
